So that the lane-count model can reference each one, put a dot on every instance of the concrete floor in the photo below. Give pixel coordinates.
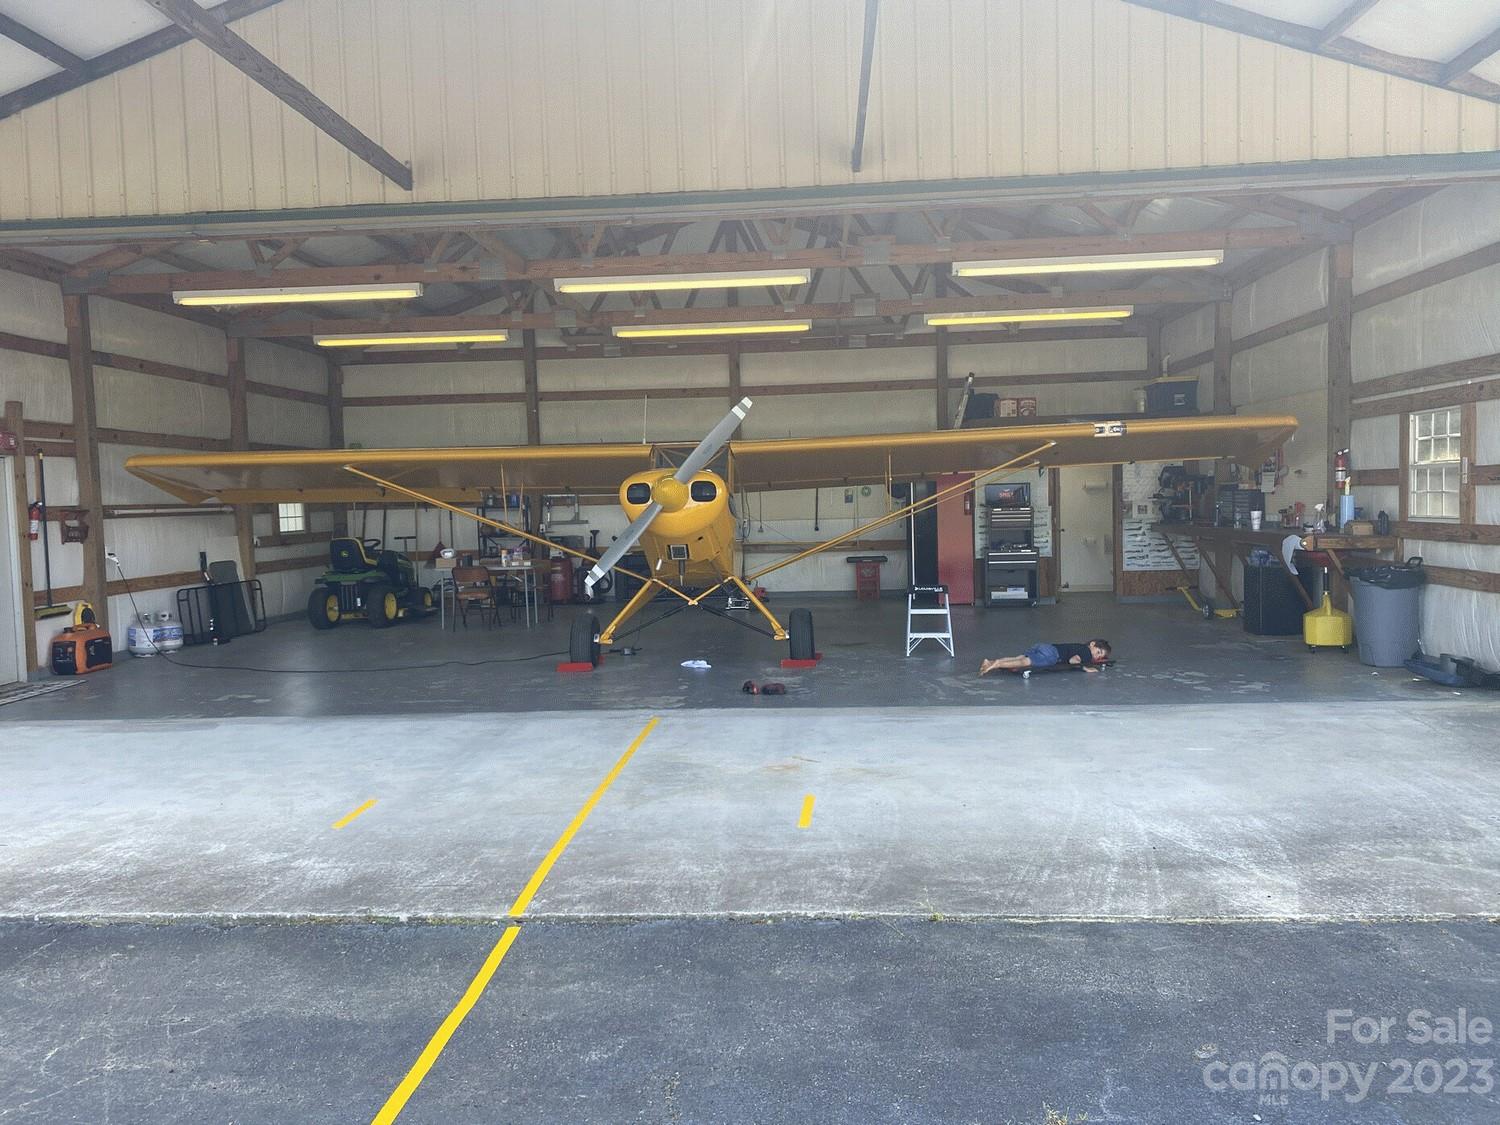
(1014, 899)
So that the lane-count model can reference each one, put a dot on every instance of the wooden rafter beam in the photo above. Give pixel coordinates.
(841, 256)
(39, 44)
(208, 29)
(137, 50)
(844, 310)
(1335, 28)
(1243, 22)
(1467, 59)
(866, 64)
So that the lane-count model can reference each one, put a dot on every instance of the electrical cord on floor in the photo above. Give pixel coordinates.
(161, 652)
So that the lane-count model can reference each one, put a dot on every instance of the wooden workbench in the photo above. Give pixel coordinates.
(1219, 546)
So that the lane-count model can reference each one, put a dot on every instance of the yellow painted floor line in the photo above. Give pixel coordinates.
(364, 808)
(805, 820)
(518, 907)
(399, 1096)
(403, 1092)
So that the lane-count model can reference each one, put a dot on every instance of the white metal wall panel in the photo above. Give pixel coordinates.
(555, 98)
(1188, 335)
(1442, 227)
(872, 365)
(1458, 319)
(29, 307)
(143, 334)
(436, 378)
(1297, 288)
(648, 372)
(1375, 443)
(641, 419)
(284, 421)
(1487, 448)
(128, 400)
(40, 383)
(386, 427)
(1047, 357)
(285, 367)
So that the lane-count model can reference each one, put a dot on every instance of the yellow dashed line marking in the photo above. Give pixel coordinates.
(805, 820)
(364, 808)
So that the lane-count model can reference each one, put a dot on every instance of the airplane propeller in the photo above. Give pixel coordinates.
(664, 494)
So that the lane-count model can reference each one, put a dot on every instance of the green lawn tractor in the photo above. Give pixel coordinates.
(364, 581)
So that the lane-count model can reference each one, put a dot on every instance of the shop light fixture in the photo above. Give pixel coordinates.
(1025, 316)
(731, 328)
(679, 281)
(1103, 263)
(375, 340)
(298, 294)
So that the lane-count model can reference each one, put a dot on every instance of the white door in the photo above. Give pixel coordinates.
(1087, 527)
(12, 621)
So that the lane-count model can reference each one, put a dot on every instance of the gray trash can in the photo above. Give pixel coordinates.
(1388, 612)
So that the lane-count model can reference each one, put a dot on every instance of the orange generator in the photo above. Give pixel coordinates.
(84, 646)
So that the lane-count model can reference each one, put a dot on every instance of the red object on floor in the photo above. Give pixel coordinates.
(813, 663)
(575, 666)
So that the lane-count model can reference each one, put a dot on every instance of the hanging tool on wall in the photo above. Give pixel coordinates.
(51, 609)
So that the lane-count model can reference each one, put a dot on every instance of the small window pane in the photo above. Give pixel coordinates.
(290, 518)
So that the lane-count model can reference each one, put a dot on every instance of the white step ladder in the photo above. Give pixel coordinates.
(915, 636)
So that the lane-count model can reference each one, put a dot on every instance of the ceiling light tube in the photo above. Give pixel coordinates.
(1025, 316)
(732, 328)
(1103, 263)
(299, 294)
(375, 340)
(665, 281)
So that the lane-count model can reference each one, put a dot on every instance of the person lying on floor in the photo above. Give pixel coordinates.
(1041, 657)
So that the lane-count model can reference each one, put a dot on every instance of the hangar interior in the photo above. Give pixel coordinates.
(918, 894)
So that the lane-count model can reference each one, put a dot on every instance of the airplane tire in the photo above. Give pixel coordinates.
(800, 634)
(583, 640)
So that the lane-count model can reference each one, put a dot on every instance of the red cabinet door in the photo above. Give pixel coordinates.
(955, 539)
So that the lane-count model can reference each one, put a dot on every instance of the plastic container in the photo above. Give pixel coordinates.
(1388, 612)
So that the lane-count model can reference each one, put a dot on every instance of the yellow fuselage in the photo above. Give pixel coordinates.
(691, 543)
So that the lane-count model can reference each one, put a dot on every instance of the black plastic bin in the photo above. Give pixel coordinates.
(1388, 611)
(1272, 606)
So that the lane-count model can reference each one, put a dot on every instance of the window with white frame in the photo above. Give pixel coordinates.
(290, 517)
(1436, 464)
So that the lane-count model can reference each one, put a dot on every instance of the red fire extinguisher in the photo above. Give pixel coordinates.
(1341, 474)
(34, 521)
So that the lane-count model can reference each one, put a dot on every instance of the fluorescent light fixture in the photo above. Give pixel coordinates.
(1103, 263)
(662, 281)
(732, 328)
(1025, 316)
(299, 294)
(375, 340)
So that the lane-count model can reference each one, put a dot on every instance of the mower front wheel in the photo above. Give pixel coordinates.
(583, 640)
(323, 607)
(382, 606)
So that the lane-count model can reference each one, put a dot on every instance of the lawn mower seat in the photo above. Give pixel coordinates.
(349, 556)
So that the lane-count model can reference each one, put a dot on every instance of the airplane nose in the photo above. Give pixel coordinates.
(670, 493)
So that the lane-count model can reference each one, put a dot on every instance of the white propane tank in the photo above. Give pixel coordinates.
(140, 637)
(168, 632)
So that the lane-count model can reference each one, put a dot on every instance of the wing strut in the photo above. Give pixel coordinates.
(505, 527)
(910, 509)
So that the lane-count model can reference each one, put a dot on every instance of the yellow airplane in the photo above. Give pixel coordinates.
(681, 517)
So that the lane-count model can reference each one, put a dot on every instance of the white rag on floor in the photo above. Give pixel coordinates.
(696, 664)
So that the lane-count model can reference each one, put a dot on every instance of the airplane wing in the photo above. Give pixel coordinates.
(465, 474)
(834, 461)
(457, 475)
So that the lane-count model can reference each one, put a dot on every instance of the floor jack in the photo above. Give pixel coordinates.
(1205, 607)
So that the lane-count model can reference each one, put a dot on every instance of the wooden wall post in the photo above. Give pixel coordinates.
(15, 422)
(239, 438)
(1223, 562)
(944, 406)
(336, 439)
(1154, 368)
(533, 387)
(86, 450)
(1340, 362)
